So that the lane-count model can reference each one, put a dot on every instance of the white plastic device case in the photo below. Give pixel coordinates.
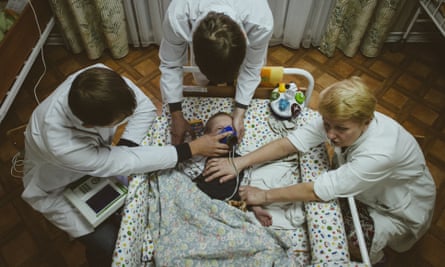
(96, 198)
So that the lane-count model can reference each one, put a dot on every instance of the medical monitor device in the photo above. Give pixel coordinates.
(96, 198)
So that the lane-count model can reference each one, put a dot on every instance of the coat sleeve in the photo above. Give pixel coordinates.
(309, 135)
(173, 56)
(142, 118)
(354, 177)
(89, 155)
(258, 37)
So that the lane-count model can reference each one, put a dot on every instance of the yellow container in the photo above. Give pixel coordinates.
(271, 76)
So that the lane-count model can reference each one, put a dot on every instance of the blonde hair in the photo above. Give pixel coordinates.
(349, 99)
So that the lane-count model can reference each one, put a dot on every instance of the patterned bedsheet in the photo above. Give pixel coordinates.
(318, 242)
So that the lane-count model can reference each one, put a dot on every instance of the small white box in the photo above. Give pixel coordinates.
(96, 198)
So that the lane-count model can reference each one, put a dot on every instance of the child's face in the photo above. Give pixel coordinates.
(219, 123)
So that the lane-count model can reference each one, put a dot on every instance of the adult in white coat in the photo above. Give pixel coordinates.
(228, 41)
(380, 164)
(70, 134)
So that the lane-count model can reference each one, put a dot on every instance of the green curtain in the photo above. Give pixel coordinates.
(93, 26)
(359, 24)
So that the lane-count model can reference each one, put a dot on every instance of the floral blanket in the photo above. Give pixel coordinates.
(190, 229)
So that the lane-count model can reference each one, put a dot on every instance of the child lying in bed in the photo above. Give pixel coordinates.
(285, 216)
(227, 191)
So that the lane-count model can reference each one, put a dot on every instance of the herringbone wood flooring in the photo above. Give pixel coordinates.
(408, 81)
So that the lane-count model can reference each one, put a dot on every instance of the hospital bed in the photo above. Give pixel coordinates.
(320, 241)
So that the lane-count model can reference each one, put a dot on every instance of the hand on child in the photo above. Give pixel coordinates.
(209, 145)
(179, 127)
(220, 168)
(252, 195)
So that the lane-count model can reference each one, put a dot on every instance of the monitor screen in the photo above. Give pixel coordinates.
(102, 198)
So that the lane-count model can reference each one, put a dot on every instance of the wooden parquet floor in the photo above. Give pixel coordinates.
(409, 82)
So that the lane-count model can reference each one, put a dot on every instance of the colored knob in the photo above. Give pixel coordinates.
(282, 88)
(299, 97)
(274, 95)
(283, 104)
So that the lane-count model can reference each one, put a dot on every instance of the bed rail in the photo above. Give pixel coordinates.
(359, 232)
(261, 92)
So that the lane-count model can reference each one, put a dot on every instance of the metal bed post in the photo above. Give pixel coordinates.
(410, 26)
(359, 232)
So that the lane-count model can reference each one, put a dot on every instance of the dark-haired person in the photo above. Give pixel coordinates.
(69, 136)
(228, 41)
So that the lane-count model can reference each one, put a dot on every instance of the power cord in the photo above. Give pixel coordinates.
(17, 165)
(231, 157)
(41, 53)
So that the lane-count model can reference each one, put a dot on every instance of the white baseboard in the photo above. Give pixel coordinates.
(55, 39)
(415, 37)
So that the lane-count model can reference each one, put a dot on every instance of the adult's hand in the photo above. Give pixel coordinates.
(253, 195)
(209, 145)
(179, 127)
(238, 122)
(220, 168)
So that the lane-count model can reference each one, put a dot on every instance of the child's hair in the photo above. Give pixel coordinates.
(349, 99)
(210, 121)
(100, 97)
(219, 46)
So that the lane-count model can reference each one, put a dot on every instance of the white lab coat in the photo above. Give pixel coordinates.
(59, 150)
(183, 16)
(386, 170)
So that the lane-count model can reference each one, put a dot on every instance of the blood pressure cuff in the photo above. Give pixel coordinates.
(221, 191)
(217, 190)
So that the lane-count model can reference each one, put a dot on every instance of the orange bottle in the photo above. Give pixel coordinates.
(271, 76)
